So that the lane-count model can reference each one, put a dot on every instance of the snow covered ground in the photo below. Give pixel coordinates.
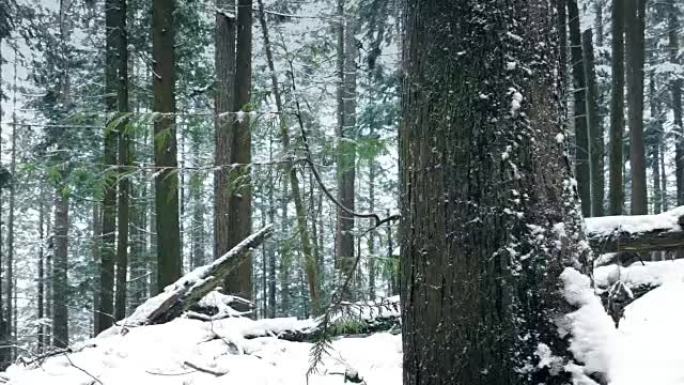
(646, 349)
(192, 352)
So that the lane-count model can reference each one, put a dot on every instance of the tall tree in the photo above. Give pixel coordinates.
(582, 144)
(616, 189)
(673, 27)
(169, 259)
(596, 132)
(485, 181)
(310, 263)
(239, 281)
(346, 148)
(224, 119)
(120, 42)
(635, 57)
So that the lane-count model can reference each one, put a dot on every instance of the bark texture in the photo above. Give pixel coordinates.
(596, 131)
(579, 88)
(485, 186)
(169, 261)
(635, 56)
(616, 191)
(239, 281)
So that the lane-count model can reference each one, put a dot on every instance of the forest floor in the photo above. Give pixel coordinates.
(645, 349)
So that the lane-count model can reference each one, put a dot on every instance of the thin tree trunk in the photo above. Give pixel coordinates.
(655, 132)
(582, 143)
(169, 259)
(108, 242)
(40, 306)
(125, 161)
(302, 228)
(285, 255)
(9, 271)
(595, 121)
(240, 210)
(97, 257)
(635, 55)
(60, 316)
(272, 281)
(616, 189)
(673, 25)
(346, 158)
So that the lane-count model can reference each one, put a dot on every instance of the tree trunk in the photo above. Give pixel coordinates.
(113, 31)
(616, 189)
(673, 26)
(125, 161)
(346, 155)
(582, 143)
(60, 316)
(478, 175)
(595, 121)
(289, 170)
(40, 306)
(635, 55)
(239, 282)
(655, 131)
(9, 271)
(169, 260)
(224, 120)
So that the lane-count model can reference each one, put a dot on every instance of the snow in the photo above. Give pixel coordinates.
(605, 226)
(650, 273)
(650, 339)
(646, 348)
(172, 353)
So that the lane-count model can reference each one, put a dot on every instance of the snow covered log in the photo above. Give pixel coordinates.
(192, 287)
(639, 233)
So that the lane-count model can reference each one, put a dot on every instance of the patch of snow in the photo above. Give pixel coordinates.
(605, 226)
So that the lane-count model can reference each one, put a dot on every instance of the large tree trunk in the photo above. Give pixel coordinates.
(485, 180)
(60, 315)
(310, 262)
(239, 282)
(223, 124)
(169, 260)
(634, 48)
(595, 121)
(616, 190)
(346, 155)
(582, 149)
(9, 271)
(4, 356)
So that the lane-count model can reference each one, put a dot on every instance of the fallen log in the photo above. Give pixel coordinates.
(192, 287)
(638, 233)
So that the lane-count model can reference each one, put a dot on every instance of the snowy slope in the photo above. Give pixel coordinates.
(192, 352)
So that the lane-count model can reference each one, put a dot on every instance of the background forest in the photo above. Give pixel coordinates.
(139, 145)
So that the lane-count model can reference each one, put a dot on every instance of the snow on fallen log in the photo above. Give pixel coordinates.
(640, 233)
(192, 287)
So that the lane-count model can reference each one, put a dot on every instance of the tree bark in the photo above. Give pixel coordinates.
(635, 55)
(478, 173)
(121, 84)
(169, 260)
(60, 315)
(224, 120)
(582, 143)
(595, 122)
(673, 26)
(616, 190)
(239, 282)
(346, 155)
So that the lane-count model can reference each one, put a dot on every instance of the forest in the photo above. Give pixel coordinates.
(383, 192)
